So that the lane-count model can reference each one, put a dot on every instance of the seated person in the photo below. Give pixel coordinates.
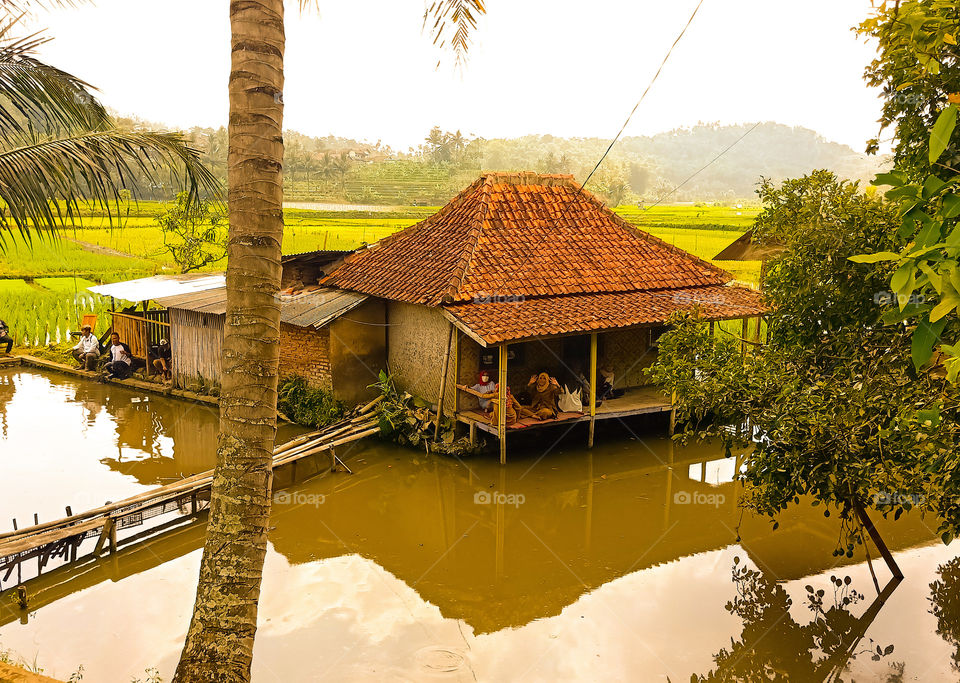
(121, 359)
(492, 399)
(5, 338)
(87, 350)
(484, 386)
(544, 391)
(161, 359)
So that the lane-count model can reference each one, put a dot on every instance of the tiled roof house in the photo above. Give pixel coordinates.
(538, 263)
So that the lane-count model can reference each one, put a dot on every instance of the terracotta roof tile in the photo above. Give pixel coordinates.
(500, 320)
(520, 234)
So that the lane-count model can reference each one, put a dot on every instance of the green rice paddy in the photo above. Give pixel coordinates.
(44, 281)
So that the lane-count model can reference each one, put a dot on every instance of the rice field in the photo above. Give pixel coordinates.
(44, 283)
(46, 310)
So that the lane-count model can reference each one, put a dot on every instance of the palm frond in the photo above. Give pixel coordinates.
(43, 181)
(37, 96)
(21, 7)
(460, 16)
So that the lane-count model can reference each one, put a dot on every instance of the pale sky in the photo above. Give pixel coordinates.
(364, 69)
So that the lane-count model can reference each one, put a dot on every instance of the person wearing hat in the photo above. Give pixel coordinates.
(161, 359)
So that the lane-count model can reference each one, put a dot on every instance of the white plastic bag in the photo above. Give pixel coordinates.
(570, 402)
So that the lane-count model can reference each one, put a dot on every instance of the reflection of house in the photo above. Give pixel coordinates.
(521, 273)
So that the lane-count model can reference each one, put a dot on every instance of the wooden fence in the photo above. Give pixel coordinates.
(141, 331)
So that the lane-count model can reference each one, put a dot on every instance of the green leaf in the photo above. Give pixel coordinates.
(924, 338)
(893, 178)
(930, 234)
(875, 258)
(948, 302)
(941, 132)
(932, 185)
(951, 206)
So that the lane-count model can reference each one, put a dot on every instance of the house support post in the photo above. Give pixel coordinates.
(743, 337)
(593, 387)
(443, 384)
(502, 403)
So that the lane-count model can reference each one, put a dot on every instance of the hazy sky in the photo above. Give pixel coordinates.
(364, 69)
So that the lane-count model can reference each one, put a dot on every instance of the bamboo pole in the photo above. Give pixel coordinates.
(593, 387)
(443, 385)
(502, 403)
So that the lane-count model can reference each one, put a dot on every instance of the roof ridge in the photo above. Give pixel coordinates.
(476, 233)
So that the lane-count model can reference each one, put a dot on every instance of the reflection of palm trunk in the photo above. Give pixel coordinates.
(219, 643)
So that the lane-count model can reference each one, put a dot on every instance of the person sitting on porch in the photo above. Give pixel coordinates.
(510, 406)
(483, 387)
(5, 338)
(544, 391)
(87, 350)
(121, 359)
(161, 358)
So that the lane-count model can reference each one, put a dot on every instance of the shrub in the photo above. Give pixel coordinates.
(307, 405)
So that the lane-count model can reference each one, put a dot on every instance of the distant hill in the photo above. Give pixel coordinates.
(639, 169)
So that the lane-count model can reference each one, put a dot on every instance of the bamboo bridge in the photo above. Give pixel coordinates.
(59, 540)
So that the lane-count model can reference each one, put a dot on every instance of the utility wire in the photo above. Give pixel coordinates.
(697, 172)
(616, 138)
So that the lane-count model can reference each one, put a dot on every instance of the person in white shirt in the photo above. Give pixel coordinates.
(87, 350)
(120, 359)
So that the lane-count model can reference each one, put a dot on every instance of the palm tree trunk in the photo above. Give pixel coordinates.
(219, 643)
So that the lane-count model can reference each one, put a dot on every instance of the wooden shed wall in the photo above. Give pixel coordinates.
(196, 340)
(416, 343)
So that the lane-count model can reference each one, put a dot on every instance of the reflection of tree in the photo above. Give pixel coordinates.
(945, 596)
(775, 647)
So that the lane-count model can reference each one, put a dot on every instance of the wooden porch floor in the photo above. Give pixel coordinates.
(638, 401)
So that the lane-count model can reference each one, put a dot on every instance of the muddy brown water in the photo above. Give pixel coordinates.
(620, 563)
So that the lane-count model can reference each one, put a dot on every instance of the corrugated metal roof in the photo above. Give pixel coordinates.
(314, 308)
(157, 286)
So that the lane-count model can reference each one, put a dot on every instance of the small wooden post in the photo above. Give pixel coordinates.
(502, 403)
(713, 326)
(743, 338)
(443, 384)
(333, 460)
(673, 413)
(473, 433)
(593, 387)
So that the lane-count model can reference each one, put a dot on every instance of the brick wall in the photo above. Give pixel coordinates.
(306, 352)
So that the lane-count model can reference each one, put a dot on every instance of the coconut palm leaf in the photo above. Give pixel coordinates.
(34, 95)
(43, 181)
(458, 15)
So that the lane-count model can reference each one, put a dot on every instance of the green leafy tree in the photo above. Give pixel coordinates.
(194, 233)
(842, 414)
(919, 71)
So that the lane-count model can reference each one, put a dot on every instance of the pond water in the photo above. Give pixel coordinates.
(620, 563)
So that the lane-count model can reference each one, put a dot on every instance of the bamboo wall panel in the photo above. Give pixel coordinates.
(196, 340)
(417, 342)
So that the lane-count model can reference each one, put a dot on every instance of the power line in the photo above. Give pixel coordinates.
(696, 173)
(643, 96)
(616, 138)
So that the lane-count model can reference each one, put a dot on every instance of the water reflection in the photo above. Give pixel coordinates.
(774, 646)
(945, 606)
(603, 564)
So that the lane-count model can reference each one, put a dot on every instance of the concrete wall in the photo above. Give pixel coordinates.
(196, 340)
(417, 339)
(358, 351)
(305, 351)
